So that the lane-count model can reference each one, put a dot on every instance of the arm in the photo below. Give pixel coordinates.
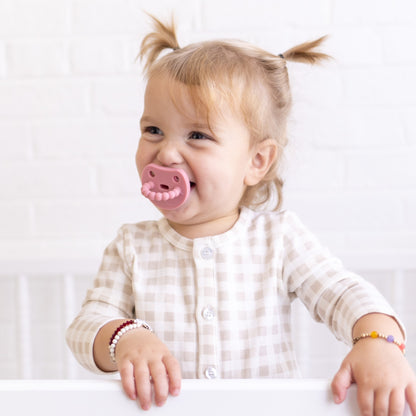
(139, 353)
(383, 376)
(343, 300)
(142, 359)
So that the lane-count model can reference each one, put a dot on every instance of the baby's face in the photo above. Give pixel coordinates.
(216, 157)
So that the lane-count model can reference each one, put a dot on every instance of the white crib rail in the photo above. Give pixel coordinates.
(23, 334)
(28, 350)
(39, 299)
(198, 397)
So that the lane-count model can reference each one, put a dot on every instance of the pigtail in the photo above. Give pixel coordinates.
(163, 37)
(306, 53)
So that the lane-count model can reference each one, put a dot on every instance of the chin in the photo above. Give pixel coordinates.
(179, 215)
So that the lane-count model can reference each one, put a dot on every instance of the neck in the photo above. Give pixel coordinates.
(206, 228)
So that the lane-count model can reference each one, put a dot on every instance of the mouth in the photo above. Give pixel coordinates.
(167, 188)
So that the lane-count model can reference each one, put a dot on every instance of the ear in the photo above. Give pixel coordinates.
(264, 154)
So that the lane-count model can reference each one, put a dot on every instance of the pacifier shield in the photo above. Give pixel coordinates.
(167, 188)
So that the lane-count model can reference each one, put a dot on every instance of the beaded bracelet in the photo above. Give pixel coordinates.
(388, 338)
(121, 330)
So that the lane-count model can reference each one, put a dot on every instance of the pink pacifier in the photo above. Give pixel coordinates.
(167, 188)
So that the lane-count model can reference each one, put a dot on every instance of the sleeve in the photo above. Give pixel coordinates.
(110, 298)
(331, 293)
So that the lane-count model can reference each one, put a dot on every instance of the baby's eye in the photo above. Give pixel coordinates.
(153, 130)
(196, 135)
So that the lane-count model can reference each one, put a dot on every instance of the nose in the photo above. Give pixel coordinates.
(169, 153)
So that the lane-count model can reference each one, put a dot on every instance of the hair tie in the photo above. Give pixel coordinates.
(281, 56)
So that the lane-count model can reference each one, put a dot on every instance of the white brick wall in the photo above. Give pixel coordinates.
(71, 96)
(70, 100)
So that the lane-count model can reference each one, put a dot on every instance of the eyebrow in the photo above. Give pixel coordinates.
(145, 119)
(205, 126)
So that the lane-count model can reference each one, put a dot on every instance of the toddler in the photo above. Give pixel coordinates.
(206, 291)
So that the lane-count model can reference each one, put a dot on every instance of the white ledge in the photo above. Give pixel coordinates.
(198, 397)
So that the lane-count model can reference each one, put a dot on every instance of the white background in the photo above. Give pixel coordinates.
(71, 97)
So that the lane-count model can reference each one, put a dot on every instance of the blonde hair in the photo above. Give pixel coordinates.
(252, 81)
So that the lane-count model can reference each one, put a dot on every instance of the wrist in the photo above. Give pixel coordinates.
(383, 324)
(123, 329)
(374, 335)
(378, 326)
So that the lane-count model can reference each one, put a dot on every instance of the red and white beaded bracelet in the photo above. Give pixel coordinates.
(121, 330)
(388, 338)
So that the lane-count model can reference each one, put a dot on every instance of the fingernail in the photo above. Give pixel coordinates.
(145, 406)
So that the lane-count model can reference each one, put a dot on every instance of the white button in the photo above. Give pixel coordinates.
(211, 372)
(207, 253)
(208, 313)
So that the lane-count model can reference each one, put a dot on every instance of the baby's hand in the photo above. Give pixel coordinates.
(383, 376)
(142, 360)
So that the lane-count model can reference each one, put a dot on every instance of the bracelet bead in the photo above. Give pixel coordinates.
(388, 338)
(121, 330)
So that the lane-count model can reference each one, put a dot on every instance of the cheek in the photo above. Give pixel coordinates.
(138, 162)
(141, 158)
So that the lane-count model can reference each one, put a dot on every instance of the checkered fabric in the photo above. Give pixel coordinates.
(222, 304)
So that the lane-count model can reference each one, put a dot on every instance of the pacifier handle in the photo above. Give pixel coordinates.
(167, 188)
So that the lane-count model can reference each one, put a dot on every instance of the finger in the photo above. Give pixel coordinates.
(341, 383)
(397, 403)
(174, 374)
(160, 382)
(127, 380)
(411, 397)
(365, 399)
(143, 386)
(381, 402)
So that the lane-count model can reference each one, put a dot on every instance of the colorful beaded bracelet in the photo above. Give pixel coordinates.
(388, 338)
(121, 330)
